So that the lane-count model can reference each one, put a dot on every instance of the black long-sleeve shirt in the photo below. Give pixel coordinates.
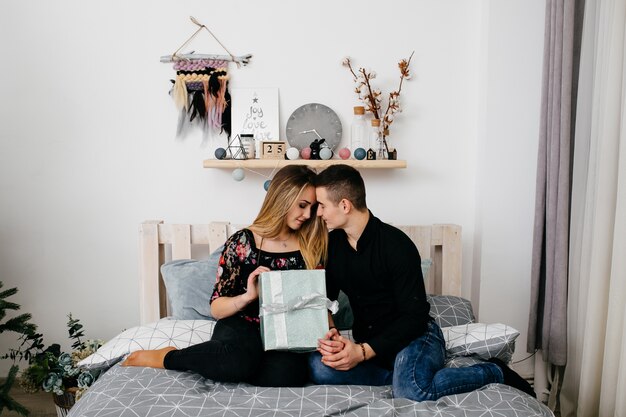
(383, 280)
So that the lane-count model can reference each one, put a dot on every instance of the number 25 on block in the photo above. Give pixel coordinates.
(273, 150)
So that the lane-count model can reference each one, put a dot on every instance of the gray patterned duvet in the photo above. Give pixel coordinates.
(139, 392)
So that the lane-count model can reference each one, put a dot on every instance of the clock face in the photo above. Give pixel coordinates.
(313, 116)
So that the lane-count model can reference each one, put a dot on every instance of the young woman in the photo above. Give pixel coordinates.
(286, 234)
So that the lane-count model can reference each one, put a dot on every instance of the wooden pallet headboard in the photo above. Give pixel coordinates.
(160, 242)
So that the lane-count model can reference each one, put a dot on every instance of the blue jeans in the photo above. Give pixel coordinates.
(419, 373)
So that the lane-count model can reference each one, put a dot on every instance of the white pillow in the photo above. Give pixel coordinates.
(478, 340)
(160, 334)
(482, 340)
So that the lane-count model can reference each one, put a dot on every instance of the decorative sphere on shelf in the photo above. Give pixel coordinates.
(344, 153)
(266, 184)
(220, 153)
(359, 153)
(293, 153)
(305, 153)
(326, 153)
(238, 174)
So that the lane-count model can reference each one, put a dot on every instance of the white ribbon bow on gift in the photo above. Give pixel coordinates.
(314, 300)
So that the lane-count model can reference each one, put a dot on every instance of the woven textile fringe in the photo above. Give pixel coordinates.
(201, 94)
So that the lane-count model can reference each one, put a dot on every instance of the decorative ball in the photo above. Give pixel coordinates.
(293, 153)
(305, 153)
(326, 153)
(220, 153)
(266, 184)
(238, 174)
(344, 153)
(359, 153)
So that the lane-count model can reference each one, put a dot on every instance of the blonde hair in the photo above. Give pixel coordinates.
(284, 191)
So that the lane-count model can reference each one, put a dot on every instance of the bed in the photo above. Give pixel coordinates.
(133, 391)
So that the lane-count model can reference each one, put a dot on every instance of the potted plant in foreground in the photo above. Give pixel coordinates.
(19, 324)
(55, 371)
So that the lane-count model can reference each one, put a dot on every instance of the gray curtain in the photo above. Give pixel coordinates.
(547, 327)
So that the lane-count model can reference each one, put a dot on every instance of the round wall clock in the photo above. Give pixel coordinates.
(312, 118)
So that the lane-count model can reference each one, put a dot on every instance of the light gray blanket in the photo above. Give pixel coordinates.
(147, 392)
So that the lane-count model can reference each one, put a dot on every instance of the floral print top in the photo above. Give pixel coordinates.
(239, 258)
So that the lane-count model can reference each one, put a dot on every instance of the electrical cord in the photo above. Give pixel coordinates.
(526, 358)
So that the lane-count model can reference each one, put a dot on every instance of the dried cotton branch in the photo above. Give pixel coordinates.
(372, 98)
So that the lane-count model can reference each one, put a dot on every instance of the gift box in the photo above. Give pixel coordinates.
(293, 309)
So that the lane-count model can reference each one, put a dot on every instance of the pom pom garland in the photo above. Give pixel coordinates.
(305, 153)
(220, 153)
(326, 153)
(359, 153)
(292, 153)
(344, 153)
(238, 174)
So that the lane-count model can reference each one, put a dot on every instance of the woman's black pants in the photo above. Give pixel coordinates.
(235, 354)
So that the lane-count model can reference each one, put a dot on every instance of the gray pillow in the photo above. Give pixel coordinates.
(343, 318)
(449, 310)
(189, 285)
(481, 340)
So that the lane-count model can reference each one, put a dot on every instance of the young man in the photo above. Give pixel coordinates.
(378, 267)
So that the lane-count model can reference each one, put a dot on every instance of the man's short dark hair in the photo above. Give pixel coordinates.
(342, 181)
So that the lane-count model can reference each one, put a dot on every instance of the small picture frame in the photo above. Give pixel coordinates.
(255, 112)
(273, 149)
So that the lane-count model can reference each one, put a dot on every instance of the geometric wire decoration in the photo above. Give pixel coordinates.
(236, 151)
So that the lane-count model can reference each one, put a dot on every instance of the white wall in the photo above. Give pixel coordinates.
(507, 161)
(87, 146)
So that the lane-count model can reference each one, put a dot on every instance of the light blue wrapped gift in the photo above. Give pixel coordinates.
(293, 309)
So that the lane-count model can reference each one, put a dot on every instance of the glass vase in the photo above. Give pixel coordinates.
(390, 150)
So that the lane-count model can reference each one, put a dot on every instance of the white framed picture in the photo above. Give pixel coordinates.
(255, 111)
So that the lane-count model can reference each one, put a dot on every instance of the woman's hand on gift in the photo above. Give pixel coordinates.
(252, 286)
(225, 306)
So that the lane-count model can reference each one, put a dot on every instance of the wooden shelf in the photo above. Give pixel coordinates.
(279, 163)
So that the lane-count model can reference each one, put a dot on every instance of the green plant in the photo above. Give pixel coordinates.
(55, 371)
(21, 325)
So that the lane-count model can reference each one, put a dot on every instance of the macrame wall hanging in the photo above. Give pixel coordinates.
(200, 89)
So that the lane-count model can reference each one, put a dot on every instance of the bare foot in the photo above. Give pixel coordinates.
(148, 358)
